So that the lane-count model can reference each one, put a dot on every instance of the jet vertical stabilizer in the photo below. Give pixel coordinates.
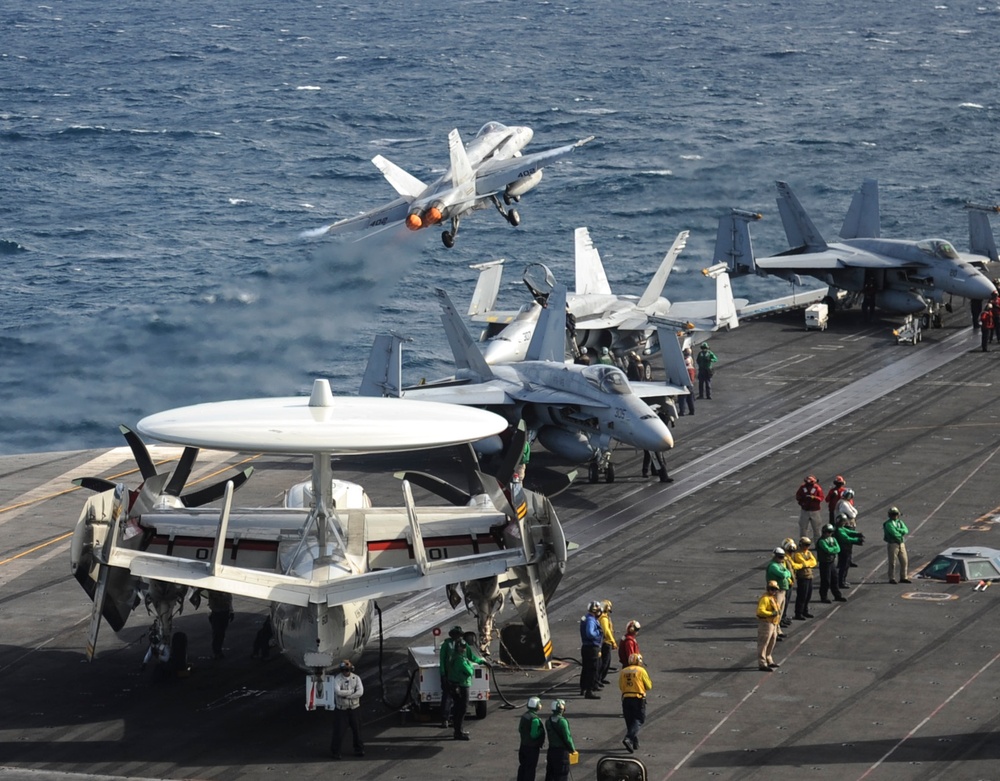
(732, 242)
(548, 342)
(799, 229)
(590, 276)
(383, 375)
(981, 239)
(725, 305)
(484, 297)
(863, 220)
(673, 358)
(467, 355)
(461, 168)
(655, 287)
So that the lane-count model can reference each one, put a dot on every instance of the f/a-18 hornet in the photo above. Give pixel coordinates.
(896, 275)
(490, 170)
(320, 560)
(575, 411)
(601, 318)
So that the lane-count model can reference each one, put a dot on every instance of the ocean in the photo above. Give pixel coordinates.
(158, 163)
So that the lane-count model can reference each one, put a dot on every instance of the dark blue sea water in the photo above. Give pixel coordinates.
(159, 160)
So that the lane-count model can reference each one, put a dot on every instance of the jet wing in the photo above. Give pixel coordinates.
(493, 176)
(653, 390)
(376, 219)
(617, 319)
(480, 394)
(807, 262)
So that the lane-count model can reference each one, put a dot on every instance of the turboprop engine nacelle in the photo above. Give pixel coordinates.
(904, 301)
(571, 445)
(521, 186)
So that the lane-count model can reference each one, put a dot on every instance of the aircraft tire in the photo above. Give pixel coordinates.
(647, 372)
(593, 474)
(481, 710)
(609, 473)
(448, 238)
(513, 217)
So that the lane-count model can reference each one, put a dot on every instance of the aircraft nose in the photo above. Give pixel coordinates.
(978, 286)
(526, 134)
(653, 434)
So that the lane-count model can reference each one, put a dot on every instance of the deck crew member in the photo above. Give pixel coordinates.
(590, 652)
(809, 497)
(768, 616)
(706, 361)
(608, 643)
(804, 562)
(347, 692)
(634, 682)
(827, 549)
(833, 496)
(560, 744)
(532, 732)
(894, 533)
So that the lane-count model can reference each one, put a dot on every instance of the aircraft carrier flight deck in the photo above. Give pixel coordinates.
(898, 682)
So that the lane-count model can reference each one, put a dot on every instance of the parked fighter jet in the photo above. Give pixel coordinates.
(491, 167)
(896, 275)
(575, 411)
(320, 560)
(601, 318)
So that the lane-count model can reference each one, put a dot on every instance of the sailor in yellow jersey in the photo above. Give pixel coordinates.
(768, 617)
(634, 682)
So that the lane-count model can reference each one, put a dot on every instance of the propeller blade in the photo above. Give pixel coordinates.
(437, 486)
(492, 487)
(470, 464)
(512, 456)
(139, 452)
(549, 481)
(215, 491)
(96, 484)
(181, 472)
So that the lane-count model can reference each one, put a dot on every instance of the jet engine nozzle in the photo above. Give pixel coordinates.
(413, 221)
(434, 214)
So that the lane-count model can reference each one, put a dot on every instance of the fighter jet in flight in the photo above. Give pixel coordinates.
(897, 275)
(489, 170)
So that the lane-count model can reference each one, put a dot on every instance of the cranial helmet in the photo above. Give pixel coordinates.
(779, 551)
(805, 541)
(455, 631)
(788, 544)
(635, 658)
(606, 606)
(633, 626)
(534, 703)
(828, 528)
(848, 493)
(838, 480)
(558, 706)
(893, 512)
(346, 666)
(772, 584)
(595, 608)
(604, 351)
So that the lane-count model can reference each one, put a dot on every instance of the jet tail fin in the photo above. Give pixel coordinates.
(673, 358)
(548, 342)
(590, 276)
(463, 346)
(981, 239)
(732, 242)
(404, 183)
(799, 229)
(863, 220)
(461, 168)
(484, 297)
(725, 305)
(654, 289)
(383, 375)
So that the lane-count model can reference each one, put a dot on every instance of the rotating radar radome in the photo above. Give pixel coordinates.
(322, 423)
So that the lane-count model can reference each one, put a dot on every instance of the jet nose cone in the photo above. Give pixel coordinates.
(653, 434)
(526, 134)
(978, 286)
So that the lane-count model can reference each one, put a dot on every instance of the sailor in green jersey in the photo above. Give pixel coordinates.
(560, 744)
(532, 732)
(894, 533)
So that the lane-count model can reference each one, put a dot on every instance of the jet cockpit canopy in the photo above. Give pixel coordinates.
(938, 248)
(608, 379)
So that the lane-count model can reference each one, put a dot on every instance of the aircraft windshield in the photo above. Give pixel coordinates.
(938, 248)
(491, 127)
(608, 379)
